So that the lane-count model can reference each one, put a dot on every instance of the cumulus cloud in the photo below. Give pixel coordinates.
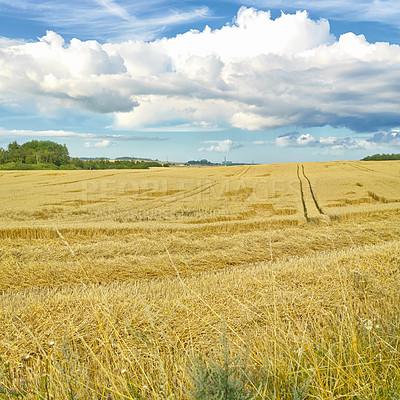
(103, 144)
(384, 11)
(221, 146)
(391, 138)
(257, 73)
(295, 139)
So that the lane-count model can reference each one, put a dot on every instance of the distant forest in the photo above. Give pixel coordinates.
(201, 162)
(45, 154)
(382, 157)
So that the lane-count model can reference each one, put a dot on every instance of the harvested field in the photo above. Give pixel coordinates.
(139, 284)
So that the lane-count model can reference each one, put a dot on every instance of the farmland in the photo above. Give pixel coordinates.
(114, 282)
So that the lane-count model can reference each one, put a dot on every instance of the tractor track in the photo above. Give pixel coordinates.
(311, 208)
(170, 199)
(302, 194)
(370, 170)
(190, 193)
(242, 172)
(312, 191)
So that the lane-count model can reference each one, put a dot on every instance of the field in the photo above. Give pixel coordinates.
(277, 281)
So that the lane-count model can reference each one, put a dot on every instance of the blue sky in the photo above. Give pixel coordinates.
(262, 81)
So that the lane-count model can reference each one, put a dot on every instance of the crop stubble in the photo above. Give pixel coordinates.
(131, 233)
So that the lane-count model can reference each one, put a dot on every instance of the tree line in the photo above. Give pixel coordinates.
(45, 154)
(382, 157)
(200, 162)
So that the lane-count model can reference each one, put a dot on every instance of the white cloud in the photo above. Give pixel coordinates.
(47, 134)
(255, 74)
(107, 19)
(391, 138)
(253, 122)
(5, 42)
(60, 134)
(176, 113)
(114, 9)
(334, 143)
(262, 142)
(284, 141)
(254, 33)
(221, 146)
(305, 140)
(102, 144)
(384, 11)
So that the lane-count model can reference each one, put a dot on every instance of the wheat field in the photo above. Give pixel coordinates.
(276, 281)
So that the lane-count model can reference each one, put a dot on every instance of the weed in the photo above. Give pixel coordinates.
(213, 380)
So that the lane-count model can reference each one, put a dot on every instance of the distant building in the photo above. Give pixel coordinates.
(225, 162)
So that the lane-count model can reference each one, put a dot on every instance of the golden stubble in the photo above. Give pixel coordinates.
(112, 280)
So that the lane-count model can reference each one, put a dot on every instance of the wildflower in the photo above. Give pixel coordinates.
(123, 371)
(51, 343)
(300, 351)
(368, 324)
(27, 357)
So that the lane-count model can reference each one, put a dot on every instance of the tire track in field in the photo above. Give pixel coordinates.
(158, 204)
(366, 169)
(302, 194)
(190, 193)
(76, 181)
(362, 168)
(369, 170)
(242, 172)
(312, 192)
(170, 199)
(312, 210)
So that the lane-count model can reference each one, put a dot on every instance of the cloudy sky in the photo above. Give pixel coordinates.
(249, 80)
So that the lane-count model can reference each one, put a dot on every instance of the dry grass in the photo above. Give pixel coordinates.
(113, 294)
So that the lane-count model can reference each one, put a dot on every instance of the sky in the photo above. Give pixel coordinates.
(250, 80)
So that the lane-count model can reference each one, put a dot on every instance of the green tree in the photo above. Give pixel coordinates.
(382, 157)
(3, 156)
(13, 152)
